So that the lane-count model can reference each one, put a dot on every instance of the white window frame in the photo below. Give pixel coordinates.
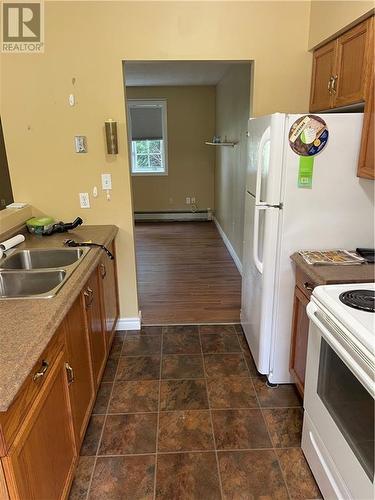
(144, 102)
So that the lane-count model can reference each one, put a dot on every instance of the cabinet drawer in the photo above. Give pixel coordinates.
(16, 414)
(304, 283)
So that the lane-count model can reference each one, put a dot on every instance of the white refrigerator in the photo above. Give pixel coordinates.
(281, 218)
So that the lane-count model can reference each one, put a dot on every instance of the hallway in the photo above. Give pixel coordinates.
(185, 274)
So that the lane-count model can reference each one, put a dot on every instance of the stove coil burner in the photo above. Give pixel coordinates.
(359, 299)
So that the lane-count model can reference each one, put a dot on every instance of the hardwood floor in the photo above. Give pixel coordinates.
(185, 274)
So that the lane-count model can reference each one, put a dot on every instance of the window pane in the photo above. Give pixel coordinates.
(142, 161)
(141, 147)
(155, 146)
(155, 160)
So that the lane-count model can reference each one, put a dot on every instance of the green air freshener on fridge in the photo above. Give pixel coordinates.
(305, 171)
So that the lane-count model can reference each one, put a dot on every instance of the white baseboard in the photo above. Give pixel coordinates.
(172, 216)
(129, 324)
(229, 246)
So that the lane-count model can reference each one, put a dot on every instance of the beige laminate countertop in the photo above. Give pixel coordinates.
(27, 325)
(325, 275)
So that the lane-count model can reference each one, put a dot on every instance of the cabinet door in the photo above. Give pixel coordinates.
(91, 295)
(300, 331)
(41, 461)
(321, 97)
(366, 165)
(81, 388)
(353, 64)
(109, 292)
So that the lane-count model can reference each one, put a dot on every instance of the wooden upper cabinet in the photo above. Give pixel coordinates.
(78, 367)
(321, 81)
(353, 65)
(98, 347)
(341, 70)
(109, 291)
(41, 461)
(366, 163)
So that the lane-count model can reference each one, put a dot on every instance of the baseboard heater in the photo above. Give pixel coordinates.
(177, 215)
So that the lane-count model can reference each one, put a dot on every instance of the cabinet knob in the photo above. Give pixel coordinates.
(89, 296)
(308, 286)
(103, 271)
(42, 371)
(69, 373)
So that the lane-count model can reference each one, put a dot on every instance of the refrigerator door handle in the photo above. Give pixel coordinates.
(265, 137)
(257, 261)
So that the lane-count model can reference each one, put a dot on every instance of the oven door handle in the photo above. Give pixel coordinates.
(358, 372)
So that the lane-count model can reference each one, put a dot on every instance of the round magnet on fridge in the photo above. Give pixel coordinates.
(308, 135)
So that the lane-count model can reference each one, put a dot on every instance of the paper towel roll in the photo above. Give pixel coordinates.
(12, 242)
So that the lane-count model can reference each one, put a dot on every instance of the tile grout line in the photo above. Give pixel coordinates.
(158, 416)
(105, 419)
(211, 419)
(268, 431)
(181, 452)
(273, 446)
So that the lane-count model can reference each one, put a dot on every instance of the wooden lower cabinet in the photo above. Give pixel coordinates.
(78, 366)
(109, 290)
(300, 335)
(42, 459)
(42, 431)
(94, 321)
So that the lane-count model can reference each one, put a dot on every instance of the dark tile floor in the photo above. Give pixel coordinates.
(183, 414)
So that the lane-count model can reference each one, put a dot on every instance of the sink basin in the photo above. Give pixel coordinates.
(43, 258)
(31, 284)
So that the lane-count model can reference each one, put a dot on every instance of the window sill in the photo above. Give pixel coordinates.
(148, 174)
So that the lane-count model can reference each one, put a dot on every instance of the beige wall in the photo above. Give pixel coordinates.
(328, 17)
(87, 41)
(232, 115)
(190, 122)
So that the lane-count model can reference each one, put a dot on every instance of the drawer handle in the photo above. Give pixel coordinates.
(103, 271)
(308, 286)
(89, 296)
(333, 86)
(69, 373)
(329, 87)
(42, 371)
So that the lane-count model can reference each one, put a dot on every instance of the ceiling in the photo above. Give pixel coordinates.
(171, 73)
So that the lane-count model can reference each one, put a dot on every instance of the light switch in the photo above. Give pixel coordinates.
(106, 181)
(80, 143)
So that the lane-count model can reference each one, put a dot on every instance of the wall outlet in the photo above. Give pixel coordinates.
(106, 181)
(193, 200)
(84, 200)
(188, 200)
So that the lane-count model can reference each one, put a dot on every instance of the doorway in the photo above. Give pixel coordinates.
(187, 124)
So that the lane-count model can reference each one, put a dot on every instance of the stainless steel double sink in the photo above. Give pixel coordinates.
(37, 273)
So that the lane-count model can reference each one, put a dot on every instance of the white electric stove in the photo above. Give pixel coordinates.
(338, 429)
